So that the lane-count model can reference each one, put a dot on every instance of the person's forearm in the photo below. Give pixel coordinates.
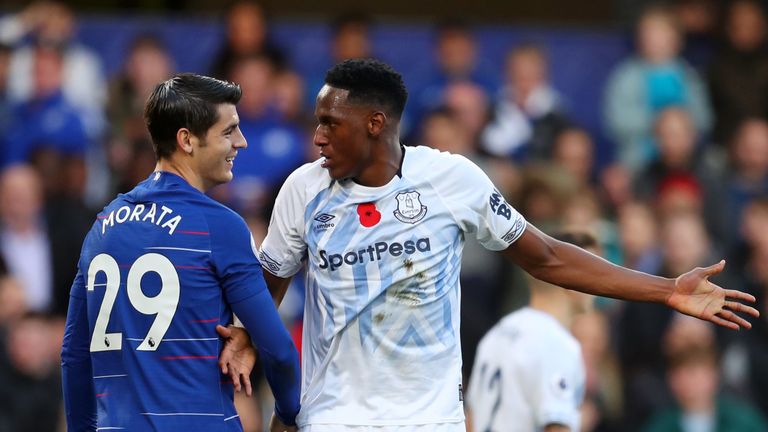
(279, 355)
(571, 267)
(576, 269)
(277, 286)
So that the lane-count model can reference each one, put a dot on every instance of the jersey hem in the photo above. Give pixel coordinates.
(384, 423)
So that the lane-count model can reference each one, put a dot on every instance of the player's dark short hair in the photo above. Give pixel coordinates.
(185, 101)
(370, 81)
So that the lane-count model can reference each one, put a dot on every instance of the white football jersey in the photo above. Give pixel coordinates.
(381, 321)
(528, 373)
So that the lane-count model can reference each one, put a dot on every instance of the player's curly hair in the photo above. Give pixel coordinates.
(185, 101)
(370, 81)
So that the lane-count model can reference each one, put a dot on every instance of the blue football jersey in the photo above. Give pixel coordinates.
(158, 270)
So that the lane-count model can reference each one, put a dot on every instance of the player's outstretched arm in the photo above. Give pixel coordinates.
(278, 354)
(76, 371)
(568, 266)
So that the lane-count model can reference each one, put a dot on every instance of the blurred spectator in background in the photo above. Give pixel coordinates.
(30, 389)
(46, 121)
(750, 272)
(582, 209)
(699, 20)
(350, 37)
(601, 410)
(40, 238)
(748, 173)
(53, 23)
(528, 114)
(13, 305)
(574, 151)
(288, 94)
(681, 154)
(642, 326)
(247, 35)
(441, 130)
(643, 85)
(5, 114)
(693, 376)
(639, 238)
(456, 59)
(738, 77)
(275, 146)
(147, 63)
(130, 154)
(25, 245)
(616, 187)
(469, 103)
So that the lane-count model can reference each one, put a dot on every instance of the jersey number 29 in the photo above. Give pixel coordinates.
(163, 305)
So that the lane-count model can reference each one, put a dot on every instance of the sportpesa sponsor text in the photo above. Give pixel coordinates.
(373, 253)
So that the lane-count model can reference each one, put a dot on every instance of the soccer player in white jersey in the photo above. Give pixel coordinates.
(529, 373)
(381, 229)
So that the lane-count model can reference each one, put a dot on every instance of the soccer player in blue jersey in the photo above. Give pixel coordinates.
(381, 229)
(160, 268)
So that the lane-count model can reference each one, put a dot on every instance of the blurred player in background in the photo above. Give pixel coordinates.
(161, 267)
(381, 228)
(529, 372)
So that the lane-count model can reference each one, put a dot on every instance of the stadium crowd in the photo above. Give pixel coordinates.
(684, 183)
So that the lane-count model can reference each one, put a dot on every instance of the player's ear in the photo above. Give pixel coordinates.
(185, 140)
(376, 122)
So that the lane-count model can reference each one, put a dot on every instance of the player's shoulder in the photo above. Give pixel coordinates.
(441, 166)
(310, 172)
(428, 155)
(308, 179)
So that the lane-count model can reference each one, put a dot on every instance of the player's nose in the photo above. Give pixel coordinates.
(320, 138)
(240, 142)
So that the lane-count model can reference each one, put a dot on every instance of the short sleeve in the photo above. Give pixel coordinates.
(233, 253)
(560, 383)
(476, 204)
(284, 247)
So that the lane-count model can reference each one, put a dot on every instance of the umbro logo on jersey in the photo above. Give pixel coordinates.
(270, 263)
(325, 222)
(324, 217)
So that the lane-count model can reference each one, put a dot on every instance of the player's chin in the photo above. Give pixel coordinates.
(225, 177)
(337, 174)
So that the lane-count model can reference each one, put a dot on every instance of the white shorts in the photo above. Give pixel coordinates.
(440, 427)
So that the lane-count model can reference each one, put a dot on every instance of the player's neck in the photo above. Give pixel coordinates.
(183, 171)
(385, 165)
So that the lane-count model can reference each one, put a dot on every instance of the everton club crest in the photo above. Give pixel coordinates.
(409, 207)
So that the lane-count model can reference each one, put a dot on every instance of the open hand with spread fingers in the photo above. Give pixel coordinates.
(238, 357)
(696, 296)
